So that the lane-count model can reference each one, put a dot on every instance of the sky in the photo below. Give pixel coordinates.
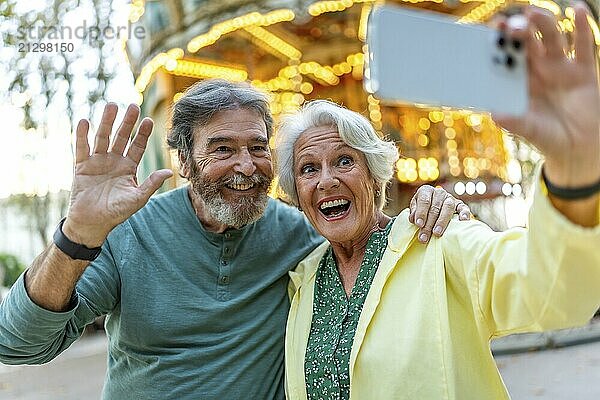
(31, 163)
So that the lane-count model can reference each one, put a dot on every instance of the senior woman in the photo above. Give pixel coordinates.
(376, 316)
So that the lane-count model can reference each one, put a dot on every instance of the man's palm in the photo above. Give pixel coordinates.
(105, 189)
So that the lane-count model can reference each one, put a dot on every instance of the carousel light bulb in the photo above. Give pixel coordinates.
(480, 187)
(459, 188)
(450, 133)
(470, 188)
(517, 189)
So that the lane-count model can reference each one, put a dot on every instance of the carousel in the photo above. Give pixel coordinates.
(302, 50)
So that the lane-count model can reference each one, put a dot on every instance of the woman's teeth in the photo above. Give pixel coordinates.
(333, 203)
(334, 208)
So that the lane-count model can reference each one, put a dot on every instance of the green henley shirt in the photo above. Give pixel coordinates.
(191, 314)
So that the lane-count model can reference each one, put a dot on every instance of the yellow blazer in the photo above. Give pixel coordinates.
(432, 310)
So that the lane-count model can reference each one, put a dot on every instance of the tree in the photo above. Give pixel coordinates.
(69, 79)
(38, 210)
(10, 268)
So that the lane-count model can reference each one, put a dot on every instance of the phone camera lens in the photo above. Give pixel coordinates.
(501, 41)
(510, 61)
(516, 44)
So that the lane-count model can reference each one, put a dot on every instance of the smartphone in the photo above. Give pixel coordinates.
(430, 59)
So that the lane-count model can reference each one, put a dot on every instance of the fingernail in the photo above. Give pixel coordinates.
(437, 230)
(517, 22)
(420, 222)
(423, 237)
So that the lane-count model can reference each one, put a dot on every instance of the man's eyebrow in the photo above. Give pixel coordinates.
(217, 139)
(223, 139)
(261, 139)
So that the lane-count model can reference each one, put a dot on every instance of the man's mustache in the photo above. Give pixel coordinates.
(239, 179)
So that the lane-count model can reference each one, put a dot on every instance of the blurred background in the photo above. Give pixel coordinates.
(61, 61)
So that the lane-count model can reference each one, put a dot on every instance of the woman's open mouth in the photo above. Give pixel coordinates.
(334, 209)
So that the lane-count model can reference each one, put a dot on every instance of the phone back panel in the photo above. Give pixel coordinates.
(425, 58)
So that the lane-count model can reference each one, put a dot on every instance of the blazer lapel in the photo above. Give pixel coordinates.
(401, 236)
(298, 326)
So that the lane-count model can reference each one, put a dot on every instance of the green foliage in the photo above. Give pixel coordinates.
(12, 268)
(37, 79)
(40, 211)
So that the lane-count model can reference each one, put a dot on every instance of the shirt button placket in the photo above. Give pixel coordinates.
(223, 280)
(224, 277)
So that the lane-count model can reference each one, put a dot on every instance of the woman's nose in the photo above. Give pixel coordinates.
(327, 180)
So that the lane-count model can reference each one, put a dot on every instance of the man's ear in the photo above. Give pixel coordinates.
(184, 165)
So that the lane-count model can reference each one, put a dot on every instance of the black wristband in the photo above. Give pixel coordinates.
(571, 193)
(74, 250)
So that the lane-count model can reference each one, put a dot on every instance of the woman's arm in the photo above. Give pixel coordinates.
(563, 119)
(523, 280)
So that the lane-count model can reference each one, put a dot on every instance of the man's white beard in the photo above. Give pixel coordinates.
(248, 208)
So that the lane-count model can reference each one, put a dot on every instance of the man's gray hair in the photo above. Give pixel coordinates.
(203, 100)
(354, 130)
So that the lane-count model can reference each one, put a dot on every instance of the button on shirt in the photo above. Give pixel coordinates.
(334, 322)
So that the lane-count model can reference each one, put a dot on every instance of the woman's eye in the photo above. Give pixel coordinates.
(259, 148)
(307, 169)
(222, 149)
(345, 161)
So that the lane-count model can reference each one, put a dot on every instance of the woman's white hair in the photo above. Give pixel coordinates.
(354, 129)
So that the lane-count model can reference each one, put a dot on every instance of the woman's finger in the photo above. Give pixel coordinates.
(585, 47)
(554, 41)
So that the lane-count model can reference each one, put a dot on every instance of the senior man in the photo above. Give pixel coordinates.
(193, 281)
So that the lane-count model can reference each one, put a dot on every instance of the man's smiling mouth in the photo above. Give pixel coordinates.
(241, 187)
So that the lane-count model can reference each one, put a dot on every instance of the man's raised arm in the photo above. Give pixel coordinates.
(105, 193)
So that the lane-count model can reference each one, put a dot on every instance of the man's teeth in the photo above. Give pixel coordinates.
(240, 186)
(333, 203)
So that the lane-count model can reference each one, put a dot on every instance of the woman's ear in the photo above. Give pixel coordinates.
(376, 189)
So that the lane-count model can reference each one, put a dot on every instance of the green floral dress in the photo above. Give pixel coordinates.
(334, 322)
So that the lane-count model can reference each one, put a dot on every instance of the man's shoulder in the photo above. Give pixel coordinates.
(288, 224)
(278, 211)
(161, 211)
(171, 197)
(166, 203)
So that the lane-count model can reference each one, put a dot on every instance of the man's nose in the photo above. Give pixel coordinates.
(245, 163)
